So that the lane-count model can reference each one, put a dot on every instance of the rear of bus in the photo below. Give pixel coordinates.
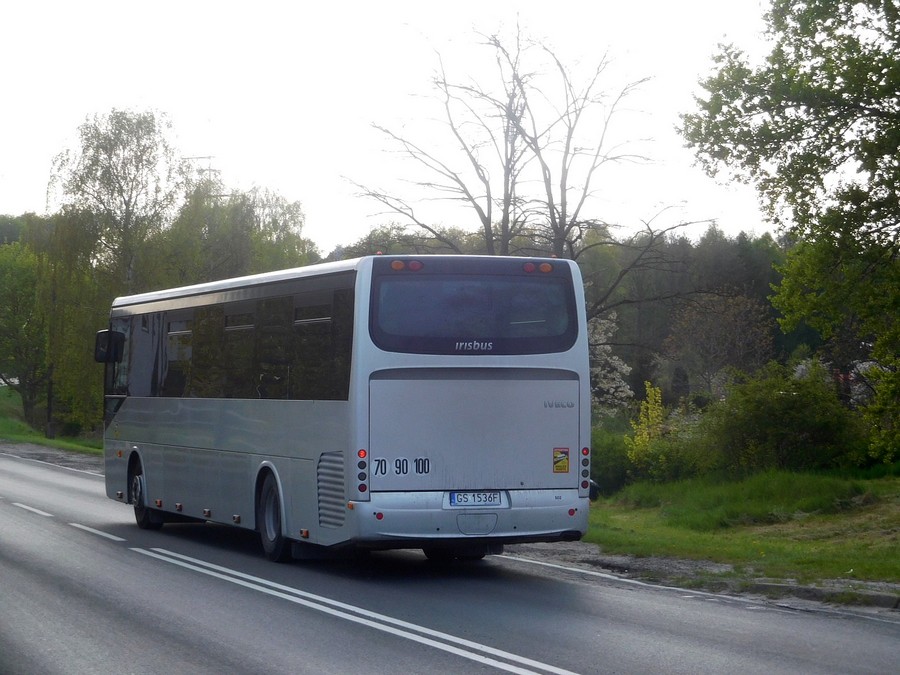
(474, 381)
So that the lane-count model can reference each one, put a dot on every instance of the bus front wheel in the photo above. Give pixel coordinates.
(268, 522)
(145, 517)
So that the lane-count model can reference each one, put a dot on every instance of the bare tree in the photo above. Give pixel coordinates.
(507, 138)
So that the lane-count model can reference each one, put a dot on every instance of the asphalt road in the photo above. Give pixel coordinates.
(82, 590)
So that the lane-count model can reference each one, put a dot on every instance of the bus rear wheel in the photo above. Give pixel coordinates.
(145, 517)
(268, 522)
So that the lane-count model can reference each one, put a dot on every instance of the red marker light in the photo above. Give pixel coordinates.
(529, 267)
(361, 487)
(362, 454)
(415, 265)
(585, 451)
(379, 516)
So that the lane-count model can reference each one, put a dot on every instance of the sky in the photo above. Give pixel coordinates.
(283, 95)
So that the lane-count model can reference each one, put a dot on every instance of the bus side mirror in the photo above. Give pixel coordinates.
(109, 346)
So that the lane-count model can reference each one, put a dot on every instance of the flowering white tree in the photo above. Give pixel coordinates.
(609, 389)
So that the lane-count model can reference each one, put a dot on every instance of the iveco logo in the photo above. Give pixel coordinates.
(559, 404)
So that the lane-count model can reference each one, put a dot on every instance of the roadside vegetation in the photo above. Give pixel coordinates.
(777, 479)
(780, 525)
(13, 428)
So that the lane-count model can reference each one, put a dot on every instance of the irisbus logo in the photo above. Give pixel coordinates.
(474, 346)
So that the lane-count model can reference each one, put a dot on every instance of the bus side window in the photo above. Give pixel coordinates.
(179, 337)
(207, 374)
(273, 346)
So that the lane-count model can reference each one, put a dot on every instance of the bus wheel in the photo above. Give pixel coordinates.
(268, 522)
(145, 517)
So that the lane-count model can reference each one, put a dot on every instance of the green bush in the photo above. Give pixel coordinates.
(610, 467)
(775, 420)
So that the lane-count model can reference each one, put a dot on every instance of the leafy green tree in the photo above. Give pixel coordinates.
(127, 175)
(23, 358)
(73, 300)
(816, 128)
(10, 229)
(277, 240)
(217, 235)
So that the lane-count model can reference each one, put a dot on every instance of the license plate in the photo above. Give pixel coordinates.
(475, 498)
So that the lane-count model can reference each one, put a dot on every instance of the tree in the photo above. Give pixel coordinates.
(608, 386)
(23, 362)
(512, 135)
(126, 174)
(816, 128)
(277, 232)
(217, 235)
(72, 301)
(10, 229)
(720, 331)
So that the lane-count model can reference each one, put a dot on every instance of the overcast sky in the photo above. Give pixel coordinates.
(283, 94)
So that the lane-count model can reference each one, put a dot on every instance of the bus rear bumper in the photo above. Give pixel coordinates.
(420, 519)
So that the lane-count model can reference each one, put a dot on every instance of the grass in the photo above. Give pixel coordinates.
(778, 525)
(14, 429)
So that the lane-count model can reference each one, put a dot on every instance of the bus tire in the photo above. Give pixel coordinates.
(145, 517)
(268, 522)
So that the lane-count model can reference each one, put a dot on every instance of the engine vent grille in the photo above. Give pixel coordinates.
(330, 488)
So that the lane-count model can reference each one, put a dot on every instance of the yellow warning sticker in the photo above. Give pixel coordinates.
(560, 460)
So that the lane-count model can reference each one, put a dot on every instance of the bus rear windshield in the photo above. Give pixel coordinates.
(473, 313)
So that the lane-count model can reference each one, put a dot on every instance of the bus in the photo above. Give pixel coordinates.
(430, 402)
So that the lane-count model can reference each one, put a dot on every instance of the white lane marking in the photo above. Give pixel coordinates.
(359, 615)
(99, 533)
(33, 510)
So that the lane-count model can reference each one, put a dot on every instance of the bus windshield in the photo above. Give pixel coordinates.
(491, 311)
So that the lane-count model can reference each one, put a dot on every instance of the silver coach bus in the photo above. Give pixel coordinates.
(433, 402)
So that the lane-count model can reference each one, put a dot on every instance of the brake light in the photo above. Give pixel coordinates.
(363, 475)
(412, 265)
